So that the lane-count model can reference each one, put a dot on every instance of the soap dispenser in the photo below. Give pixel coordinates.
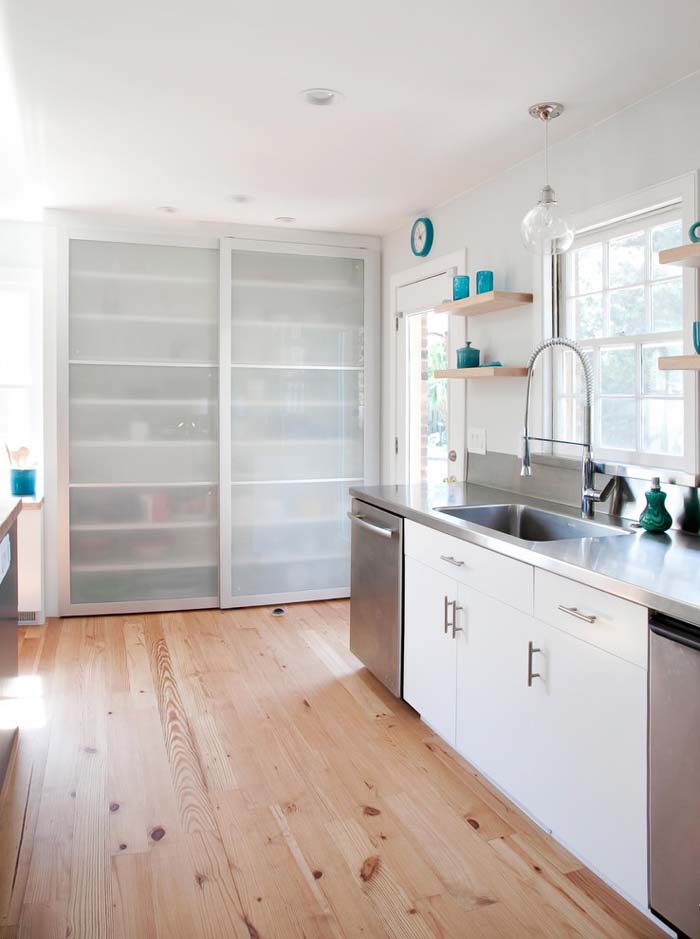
(655, 516)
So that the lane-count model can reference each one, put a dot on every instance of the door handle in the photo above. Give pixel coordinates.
(574, 611)
(531, 649)
(451, 560)
(455, 629)
(377, 529)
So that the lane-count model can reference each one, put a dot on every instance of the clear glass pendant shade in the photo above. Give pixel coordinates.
(544, 230)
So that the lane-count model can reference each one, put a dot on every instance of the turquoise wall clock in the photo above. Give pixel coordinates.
(422, 237)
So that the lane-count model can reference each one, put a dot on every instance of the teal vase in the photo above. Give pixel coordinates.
(655, 516)
(467, 356)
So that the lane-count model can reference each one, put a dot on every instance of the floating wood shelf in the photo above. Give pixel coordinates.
(489, 302)
(679, 363)
(486, 371)
(684, 256)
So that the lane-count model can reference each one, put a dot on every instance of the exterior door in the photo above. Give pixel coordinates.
(299, 416)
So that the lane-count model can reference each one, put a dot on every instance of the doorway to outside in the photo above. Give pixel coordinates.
(429, 410)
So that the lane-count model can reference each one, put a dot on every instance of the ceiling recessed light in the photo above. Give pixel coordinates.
(321, 97)
(240, 198)
(285, 219)
(168, 209)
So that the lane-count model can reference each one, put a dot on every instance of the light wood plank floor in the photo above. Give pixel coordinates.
(234, 774)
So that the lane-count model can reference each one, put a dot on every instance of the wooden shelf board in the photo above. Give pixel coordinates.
(486, 371)
(683, 363)
(683, 256)
(490, 302)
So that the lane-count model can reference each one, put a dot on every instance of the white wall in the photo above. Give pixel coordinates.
(649, 142)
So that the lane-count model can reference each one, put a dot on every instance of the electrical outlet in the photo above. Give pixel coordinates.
(476, 440)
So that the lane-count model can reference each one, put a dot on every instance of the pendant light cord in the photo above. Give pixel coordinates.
(546, 152)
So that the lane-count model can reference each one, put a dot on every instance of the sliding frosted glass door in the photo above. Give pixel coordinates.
(294, 325)
(141, 434)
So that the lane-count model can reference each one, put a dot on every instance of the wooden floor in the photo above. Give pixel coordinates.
(236, 774)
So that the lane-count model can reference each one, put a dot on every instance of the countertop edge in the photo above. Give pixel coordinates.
(9, 511)
(583, 575)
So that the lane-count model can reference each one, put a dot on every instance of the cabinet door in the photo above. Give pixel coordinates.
(497, 710)
(429, 658)
(595, 763)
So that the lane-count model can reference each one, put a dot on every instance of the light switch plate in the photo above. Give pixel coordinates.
(476, 440)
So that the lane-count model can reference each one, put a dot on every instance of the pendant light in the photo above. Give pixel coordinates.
(544, 229)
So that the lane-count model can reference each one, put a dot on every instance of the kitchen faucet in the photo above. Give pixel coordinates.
(589, 494)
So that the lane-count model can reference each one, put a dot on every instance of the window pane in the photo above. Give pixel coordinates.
(588, 317)
(427, 402)
(662, 426)
(617, 370)
(15, 419)
(627, 312)
(618, 417)
(570, 371)
(589, 269)
(669, 235)
(15, 329)
(655, 381)
(570, 420)
(667, 306)
(626, 260)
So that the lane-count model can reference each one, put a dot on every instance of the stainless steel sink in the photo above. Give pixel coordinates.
(529, 524)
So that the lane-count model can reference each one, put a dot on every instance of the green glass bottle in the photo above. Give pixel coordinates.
(655, 516)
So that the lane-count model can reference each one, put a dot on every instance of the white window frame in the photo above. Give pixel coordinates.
(628, 214)
(395, 462)
(29, 279)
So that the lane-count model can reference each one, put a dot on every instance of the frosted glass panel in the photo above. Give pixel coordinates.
(296, 310)
(143, 448)
(297, 415)
(296, 423)
(289, 537)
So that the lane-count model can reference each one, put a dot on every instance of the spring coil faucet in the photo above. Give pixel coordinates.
(589, 494)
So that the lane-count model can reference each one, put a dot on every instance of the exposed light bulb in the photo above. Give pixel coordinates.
(544, 230)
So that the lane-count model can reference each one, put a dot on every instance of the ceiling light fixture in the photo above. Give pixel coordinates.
(321, 97)
(240, 198)
(544, 230)
(285, 219)
(168, 209)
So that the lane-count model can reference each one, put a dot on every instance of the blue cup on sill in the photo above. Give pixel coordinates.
(23, 482)
(696, 336)
(484, 281)
(460, 287)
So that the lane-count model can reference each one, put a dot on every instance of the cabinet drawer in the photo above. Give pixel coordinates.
(508, 580)
(608, 622)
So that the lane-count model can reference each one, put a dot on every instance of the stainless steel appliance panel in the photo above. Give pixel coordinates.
(376, 612)
(674, 774)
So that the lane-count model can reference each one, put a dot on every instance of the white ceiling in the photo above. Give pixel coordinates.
(125, 106)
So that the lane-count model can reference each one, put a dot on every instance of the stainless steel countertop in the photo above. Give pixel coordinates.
(659, 571)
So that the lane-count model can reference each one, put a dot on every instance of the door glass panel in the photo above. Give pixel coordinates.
(297, 419)
(428, 343)
(143, 422)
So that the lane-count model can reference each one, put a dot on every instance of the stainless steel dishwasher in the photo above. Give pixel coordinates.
(674, 774)
(376, 592)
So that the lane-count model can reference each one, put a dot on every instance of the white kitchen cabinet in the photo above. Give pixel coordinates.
(593, 718)
(430, 650)
(498, 726)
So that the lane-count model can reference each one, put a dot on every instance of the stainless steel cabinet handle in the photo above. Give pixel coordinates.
(574, 611)
(377, 529)
(455, 628)
(451, 560)
(531, 649)
(447, 605)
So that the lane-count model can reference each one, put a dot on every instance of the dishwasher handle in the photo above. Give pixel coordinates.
(363, 523)
(676, 632)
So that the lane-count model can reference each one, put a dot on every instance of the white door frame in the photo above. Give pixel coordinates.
(395, 441)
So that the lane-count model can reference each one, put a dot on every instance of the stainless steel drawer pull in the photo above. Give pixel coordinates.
(447, 606)
(451, 560)
(574, 611)
(531, 649)
(377, 529)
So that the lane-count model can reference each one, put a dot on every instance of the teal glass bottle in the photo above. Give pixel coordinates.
(655, 516)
